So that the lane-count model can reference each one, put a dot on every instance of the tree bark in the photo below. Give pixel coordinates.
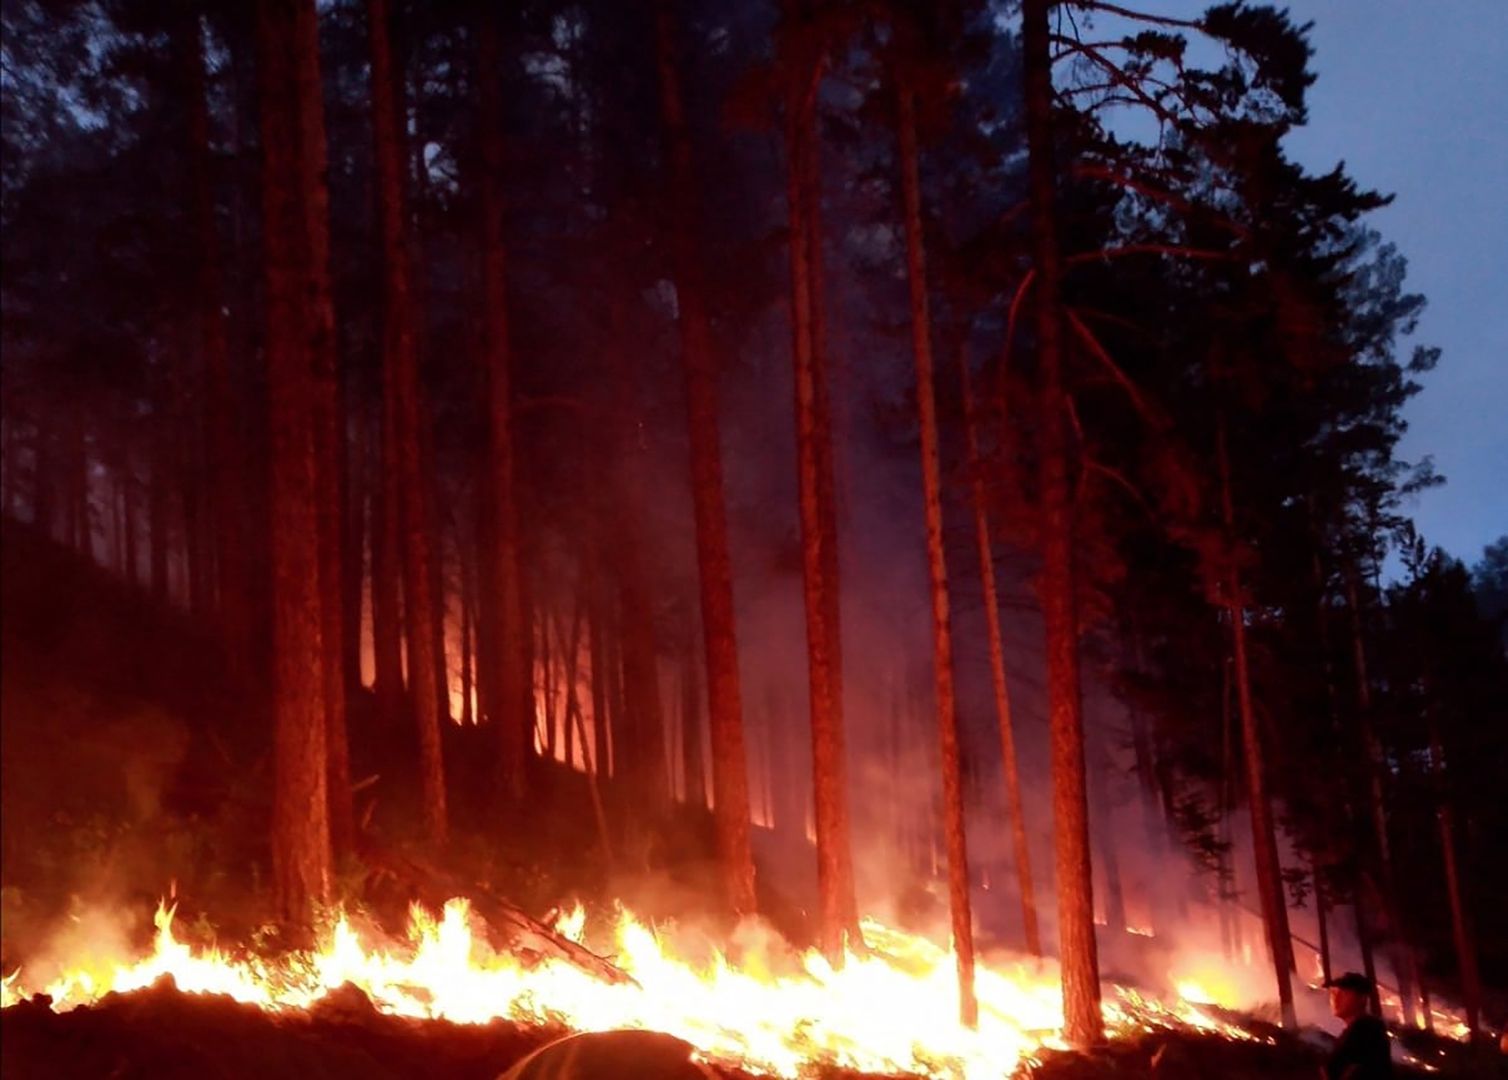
(1077, 947)
(513, 677)
(1115, 895)
(691, 725)
(835, 889)
(225, 464)
(1264, 835)
(1020, 846)
(300, 829)
(329, 425)
(408, 485)
(1402, 952)
(387, 601)
(1321, 912)
(942, 640)
(1460, 919)
(730, 782)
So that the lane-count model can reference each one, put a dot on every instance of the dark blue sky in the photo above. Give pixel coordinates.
(1413, 96)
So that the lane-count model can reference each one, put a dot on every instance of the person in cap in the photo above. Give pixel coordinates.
(1363, 1051)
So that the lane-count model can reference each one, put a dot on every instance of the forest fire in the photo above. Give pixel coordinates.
(893, 1010)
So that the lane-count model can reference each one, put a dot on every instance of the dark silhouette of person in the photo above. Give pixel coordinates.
(1363, 1051)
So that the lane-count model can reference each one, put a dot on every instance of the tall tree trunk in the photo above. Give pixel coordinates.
(408, 486)
(354, 531)
(1020, 845)
(1364, 942)
(387, 601)
(1402, 952)
(510, 658)
(730, 783)
(598, 657)
(942, 640)
(1077, 947)
(159, 503)
(1115, 894)
(300, 831)
(329, 425)
(691, 724)
(1321, 913)
(1460, 919)
(1263, 829)
(468, 628)
(835, 889)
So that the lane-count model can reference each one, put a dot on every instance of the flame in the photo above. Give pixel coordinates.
(891, 1010)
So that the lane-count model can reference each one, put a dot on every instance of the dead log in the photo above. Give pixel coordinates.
(434, 886)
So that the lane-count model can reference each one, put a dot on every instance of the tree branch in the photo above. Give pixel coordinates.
(1143, 407)
(1139, 16)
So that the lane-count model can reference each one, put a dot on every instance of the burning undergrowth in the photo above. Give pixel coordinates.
(750, 1004)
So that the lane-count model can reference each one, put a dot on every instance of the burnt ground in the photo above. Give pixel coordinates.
(162, 1033)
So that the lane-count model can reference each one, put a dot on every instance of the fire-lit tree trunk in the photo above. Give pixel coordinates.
(637, 709)
(691, 726)
(407, 486)
(1364, 941)
(510, 657)
(329, 425)
(226, 490)
(300, 829)
(1078, 950)
(387, 605)
(730, 783)
(1020, 846)
(1322, 918)
(598, 657)
(942, 640)
(468, 628)
(1402, 952)
(1460, 919)
(835, 888)
(1115, 895)
(1263, 829)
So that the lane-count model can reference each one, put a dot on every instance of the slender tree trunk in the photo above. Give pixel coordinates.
(1020, 846)
(942, 640)
(1321, 913)
(1077, 947)
(409, 485)
(387, 602)
(1460, 919)
(353, 486)
(1264, 835)
(468, 628)
(1402, 953)
(835, 888)
(300, 831)
(1364, 943)
(158, 494)
(691, 725)
(223, 423)
(329, 425)
(513, 679)
(730, 781)
(1115, 894)
(596, 628)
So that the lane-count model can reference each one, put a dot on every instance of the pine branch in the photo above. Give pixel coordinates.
(1139, 16)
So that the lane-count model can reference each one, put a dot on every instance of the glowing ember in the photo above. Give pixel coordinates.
(893, 1010)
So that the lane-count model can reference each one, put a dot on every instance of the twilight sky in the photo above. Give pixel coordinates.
(1413, 96)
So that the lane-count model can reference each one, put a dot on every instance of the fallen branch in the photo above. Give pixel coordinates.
(434, 886)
